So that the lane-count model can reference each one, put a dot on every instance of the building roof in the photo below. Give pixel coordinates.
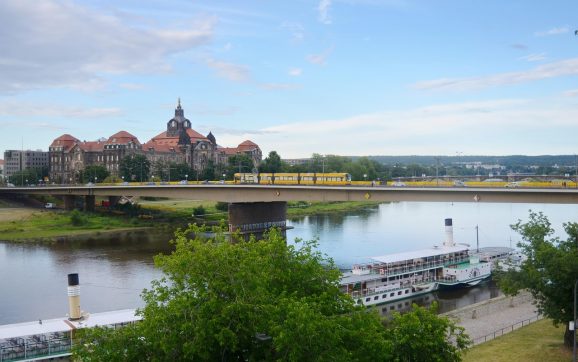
(66, 141)
(247, 146)
(418, 254)
(122, 137)
(161, 147)
(95, 146)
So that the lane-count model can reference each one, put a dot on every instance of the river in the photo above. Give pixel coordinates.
(113, 272)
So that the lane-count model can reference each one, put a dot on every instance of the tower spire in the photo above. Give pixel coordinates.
(179, 103)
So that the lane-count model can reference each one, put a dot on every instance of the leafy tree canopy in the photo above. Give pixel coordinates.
(260, 300)
(272, 163)
(134, 168)
(94, 173)
(550, 270)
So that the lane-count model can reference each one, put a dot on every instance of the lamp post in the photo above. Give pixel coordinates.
(364, 177)
(95, 180)
(574, 323)
(187, 177)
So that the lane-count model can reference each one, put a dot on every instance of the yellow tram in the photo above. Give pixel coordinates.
(285, 178)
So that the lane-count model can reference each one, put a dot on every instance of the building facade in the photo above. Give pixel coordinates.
(178, 144)
(16, 161)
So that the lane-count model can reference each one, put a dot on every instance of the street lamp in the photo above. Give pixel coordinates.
(95, 179)
(364, 177)
(574, 325)
(187, 177)
(26, 182)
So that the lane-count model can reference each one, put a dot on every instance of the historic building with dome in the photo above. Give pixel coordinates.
(178, 144)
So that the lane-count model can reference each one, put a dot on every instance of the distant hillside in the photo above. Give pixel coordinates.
(514, 160)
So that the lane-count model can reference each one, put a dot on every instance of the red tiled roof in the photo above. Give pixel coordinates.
(122, 137)
(66, 141)
(247, 145)
(95, 146)
(160, 147)
(229, 150)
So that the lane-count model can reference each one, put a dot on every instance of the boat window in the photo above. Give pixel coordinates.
(376, 297)
(406, 291)
(384, 296)
(392, 294)
(367, 299)
(399, 293)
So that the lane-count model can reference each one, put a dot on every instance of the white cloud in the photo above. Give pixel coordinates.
(319, 59)
(571, 93)
(323, 9)
(25, 109)
(562, 68)
(230, 71)
(51, 43)
(553, 31)
(534, 57)
(296, 29)
(295, 72)
(512, 126)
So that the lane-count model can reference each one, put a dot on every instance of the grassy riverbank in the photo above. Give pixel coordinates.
(539, 341)
(21, 223)
(31, 224)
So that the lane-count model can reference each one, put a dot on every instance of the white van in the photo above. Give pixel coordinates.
(50, 205)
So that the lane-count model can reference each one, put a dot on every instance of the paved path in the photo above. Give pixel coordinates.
(485, 318)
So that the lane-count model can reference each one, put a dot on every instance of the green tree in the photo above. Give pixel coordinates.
(94, 173)
(209, 172)
(239, 163)
(550, 270)
(28, 177)
(255, 301)
(272, 163)
(408, 333)
(134, 168)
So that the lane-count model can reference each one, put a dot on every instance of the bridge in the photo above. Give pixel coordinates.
(255, 207)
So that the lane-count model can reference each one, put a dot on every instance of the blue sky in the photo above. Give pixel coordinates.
(347, 77)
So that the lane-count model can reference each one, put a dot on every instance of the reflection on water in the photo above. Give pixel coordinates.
(112, 273)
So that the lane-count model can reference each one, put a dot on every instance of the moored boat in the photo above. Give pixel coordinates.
(392, 277)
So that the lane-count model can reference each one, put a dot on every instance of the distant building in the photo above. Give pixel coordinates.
(178, 144)
(1, 169)
(297, 161)
(17, 160)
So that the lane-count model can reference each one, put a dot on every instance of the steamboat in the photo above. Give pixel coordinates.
(388, 278)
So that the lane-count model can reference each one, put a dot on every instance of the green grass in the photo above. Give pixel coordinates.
(539, 341)
(315, 208)
(45, 225)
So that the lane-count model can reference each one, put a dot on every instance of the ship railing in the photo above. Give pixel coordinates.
(383, 269)
(36, 346)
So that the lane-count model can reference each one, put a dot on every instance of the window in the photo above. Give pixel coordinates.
(392, 294)
(406, 291)
(384, 296)
(367, 299)
(399, 293)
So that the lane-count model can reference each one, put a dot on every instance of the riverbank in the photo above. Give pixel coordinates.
(29, 222)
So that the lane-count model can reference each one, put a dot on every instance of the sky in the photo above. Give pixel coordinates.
(343, 77)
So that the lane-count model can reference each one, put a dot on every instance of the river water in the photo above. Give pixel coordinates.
(113, 272)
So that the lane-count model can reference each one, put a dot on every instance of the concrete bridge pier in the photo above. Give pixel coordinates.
(69, 202)
(257, 217)
(113, 200)
(89, 203)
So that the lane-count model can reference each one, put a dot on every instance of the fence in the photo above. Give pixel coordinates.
(505, 330)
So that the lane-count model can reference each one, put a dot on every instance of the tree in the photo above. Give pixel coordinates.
(94, 173)
(272, 163)
(241, 163)
(255, 300)
(550, 270)
(134, 168)
(407, 331)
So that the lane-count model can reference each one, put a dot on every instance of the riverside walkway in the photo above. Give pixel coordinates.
(491, 318)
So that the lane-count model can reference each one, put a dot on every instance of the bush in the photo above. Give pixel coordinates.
(199, 210)
(222, 206)
(77, 218)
